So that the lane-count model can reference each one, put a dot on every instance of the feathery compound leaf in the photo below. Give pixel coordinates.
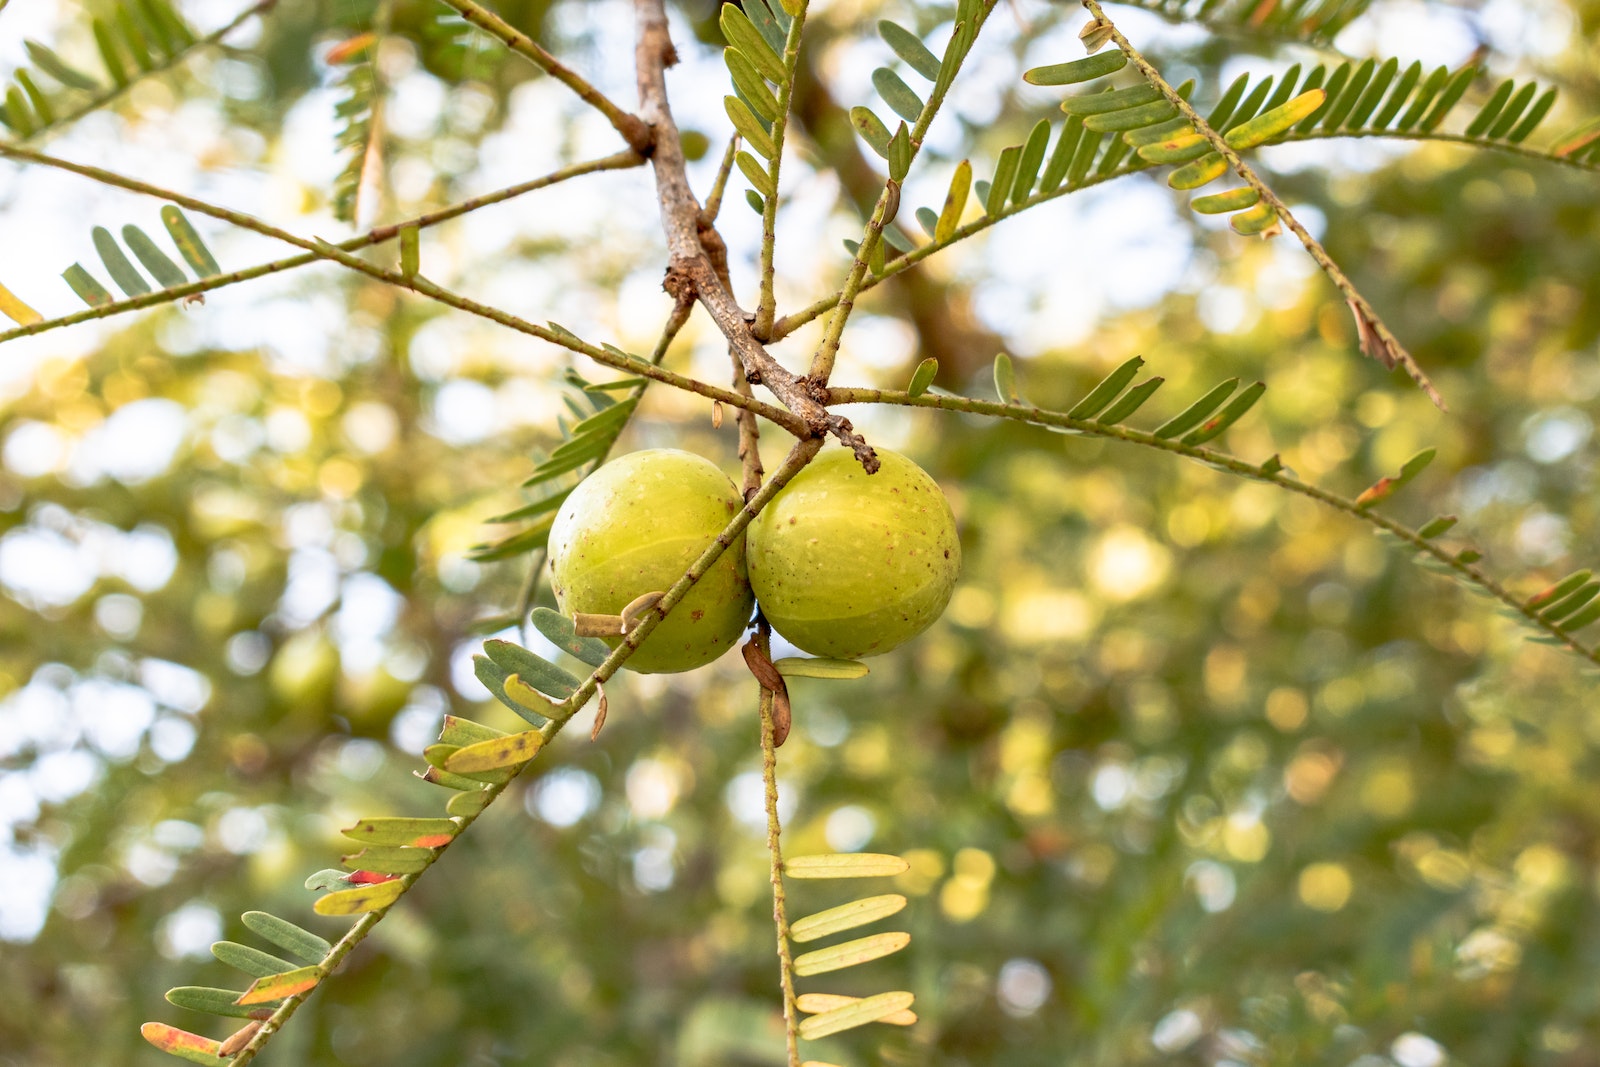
(845, 865)
(742, 34)
(817, 667)
(1221, 203)
(360, 899)
(276, 987)
(301, 944)
(905, 44)
(900, 97)
(850, 954)
(166, 273)
(858, 1013)
(1270, 124)
(184, 235)
(184, 1045)
(401, 830)
(1229, 415)
(251, 961)
(1196, 413)
(955, 202)
(356, 135)
(845, 917)
(128, 279)
(871, 129)
(224, 1002)
(1131, 402)
(1079, 70)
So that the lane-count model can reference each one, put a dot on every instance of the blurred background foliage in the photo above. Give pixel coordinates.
(1191, 772)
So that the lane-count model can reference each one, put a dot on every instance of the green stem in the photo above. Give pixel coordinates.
(766, 309)
(719, 185)
(633, 129)
(379, 235)
(1233, 465)
(780, 916)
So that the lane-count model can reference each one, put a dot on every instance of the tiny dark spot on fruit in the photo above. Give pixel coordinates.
(696, 615)
(947, 553)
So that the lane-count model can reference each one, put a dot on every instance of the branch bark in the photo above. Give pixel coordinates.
(693, 244)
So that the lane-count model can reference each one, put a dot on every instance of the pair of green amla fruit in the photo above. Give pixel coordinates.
(844, 564)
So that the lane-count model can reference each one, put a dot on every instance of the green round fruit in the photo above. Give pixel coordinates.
(634, 527)
(848, 564)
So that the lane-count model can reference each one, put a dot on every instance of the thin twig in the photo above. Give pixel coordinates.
(780, 917)
(1388, 350)
(617, 161)
(1233, 465)
(719, 185)
(766, 305)
(633, 129)
(690, 270)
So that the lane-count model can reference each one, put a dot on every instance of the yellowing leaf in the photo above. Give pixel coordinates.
(850, 953)
(845, 865)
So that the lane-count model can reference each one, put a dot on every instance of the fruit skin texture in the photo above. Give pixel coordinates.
(847, 564)
(633, 527)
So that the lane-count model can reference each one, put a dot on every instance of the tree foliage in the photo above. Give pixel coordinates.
(1260, 729)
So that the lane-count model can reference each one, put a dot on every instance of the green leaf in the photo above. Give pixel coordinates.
(1368, 103)
(559, 631)
(922, 377)
(360, 899)
(752, 87)
(1005, 379)
(1107, 390)
(222, 1002)
(498, 752)
(845, 917)
(1223, 110)
(1563, 588)
(1270, 124)
(928, 219)
(899, 156)
(166, 273)
(417, 832)
(1079, 70)
(134, 39)
(1116, 100)
(900, 97)
(1164, 131)
(1208, 168)
(1535, 116)
(1005, 172)
(819, 667)
(89, 290)
(850, 954)
(1345, 99)
(41, 103)
(748, 126)
(1436, 527)
(741, 34)
(1419, 105)
(767, 19)
(274, 987)
(905, 44)
(128, 279)
(1468, 556)
(1453, 91)
(871, 129)
(193, 250)
(53, 65)
(1032, 158)
(845, 865)
(1184, 148)
(1258, 219)
(1083, 159)
(109, 55)
(1221, 203)
(1130, 402)
(1336, 83)
(1491, 108)
(1196, 413)
(388, 859)
(1582, 618)
(860, 1013)
(251, 961)
(1060, 159)
(755, 174)
(1132, 118)
(184, 1045)
(1572, 602)
(534, 670)
(468, 803)
(303, 945)
(1229, 415)
(955, 202)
